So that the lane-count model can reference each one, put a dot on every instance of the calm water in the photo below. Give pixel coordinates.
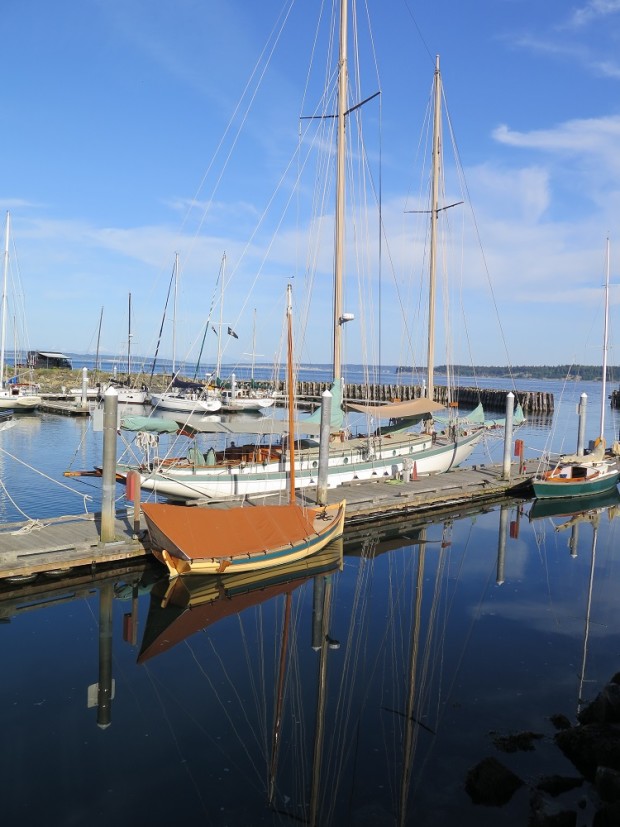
(358, 693)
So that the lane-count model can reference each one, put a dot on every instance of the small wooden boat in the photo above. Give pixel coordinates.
(190, 539)
(211, 540)
(185, 605)
(590, 475)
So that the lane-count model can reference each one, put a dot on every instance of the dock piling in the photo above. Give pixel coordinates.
(510, 404)
(326, 418)
(110, 416)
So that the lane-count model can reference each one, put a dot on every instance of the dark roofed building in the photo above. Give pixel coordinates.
(48, 359)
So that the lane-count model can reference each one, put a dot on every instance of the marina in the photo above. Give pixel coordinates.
(348, 581)
(27, 549)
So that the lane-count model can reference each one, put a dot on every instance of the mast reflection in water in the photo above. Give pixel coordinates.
(358, 687)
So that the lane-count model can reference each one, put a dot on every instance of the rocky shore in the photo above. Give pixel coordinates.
(589, 797)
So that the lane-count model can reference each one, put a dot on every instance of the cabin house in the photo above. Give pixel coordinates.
(48, 359)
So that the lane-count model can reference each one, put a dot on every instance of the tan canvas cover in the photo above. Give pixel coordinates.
(228, 532)
(398, 410)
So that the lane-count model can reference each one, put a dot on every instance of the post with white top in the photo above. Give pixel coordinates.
(110, 423)
(326, 419)
(84, 387)
(510, 404)
(581, 432)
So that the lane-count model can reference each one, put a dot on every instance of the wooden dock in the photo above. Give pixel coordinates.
(64, 407)
(60, 544)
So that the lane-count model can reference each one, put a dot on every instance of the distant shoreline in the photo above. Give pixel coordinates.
(570, 373)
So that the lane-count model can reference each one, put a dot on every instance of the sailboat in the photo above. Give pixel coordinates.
(182, 606)
(127, 394)
(13, 394)
(183, 396)
(208, 540)
(235, 398)
(595, 472)
(385, 451)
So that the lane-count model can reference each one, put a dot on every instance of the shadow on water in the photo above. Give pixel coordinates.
(362, 686)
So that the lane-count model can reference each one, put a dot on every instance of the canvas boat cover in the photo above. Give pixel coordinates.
(196, 533)
(398, 410)
(151, 424)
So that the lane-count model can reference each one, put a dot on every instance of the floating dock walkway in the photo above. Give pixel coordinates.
(57, 545)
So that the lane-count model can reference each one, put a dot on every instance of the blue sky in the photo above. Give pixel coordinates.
(127, 137)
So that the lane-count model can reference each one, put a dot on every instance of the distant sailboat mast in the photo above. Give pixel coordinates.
(4, 289)
(174, 314)
(218, 366)
(605, 345)
(129, 342)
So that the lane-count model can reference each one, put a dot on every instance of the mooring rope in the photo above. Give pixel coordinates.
(85, 497)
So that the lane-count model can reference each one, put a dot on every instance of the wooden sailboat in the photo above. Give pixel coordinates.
(13, 395)
(383, 451)
(193, 540)
(185, 605)
(596, 471)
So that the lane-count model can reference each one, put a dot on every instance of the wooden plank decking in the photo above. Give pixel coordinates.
(73, 541)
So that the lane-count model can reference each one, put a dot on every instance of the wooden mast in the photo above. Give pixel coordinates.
(291, 406)
(340, 193)
(436, 158)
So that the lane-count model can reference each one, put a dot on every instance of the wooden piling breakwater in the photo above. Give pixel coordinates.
(539, 402)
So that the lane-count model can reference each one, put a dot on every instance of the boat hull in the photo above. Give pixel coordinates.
(552, 487)
(190, 540)
(19, 402)
(172, 402)
(397, 457)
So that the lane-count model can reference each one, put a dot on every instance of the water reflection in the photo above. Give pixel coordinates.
(350, 689)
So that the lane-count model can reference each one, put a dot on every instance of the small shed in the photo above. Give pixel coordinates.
(48, 359)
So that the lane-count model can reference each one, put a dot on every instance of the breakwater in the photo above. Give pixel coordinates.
(492, 400)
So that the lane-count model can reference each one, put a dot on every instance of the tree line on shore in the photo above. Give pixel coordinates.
(563, 372)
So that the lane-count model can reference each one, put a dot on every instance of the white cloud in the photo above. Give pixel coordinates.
(593, 10)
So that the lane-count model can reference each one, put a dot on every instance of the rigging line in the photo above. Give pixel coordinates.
(36, 471)
(163, 320)
(242, 740)
(478, 237)
(17, 508)
(257, 687)
(249, 292)
(263, 59)
(186, 764)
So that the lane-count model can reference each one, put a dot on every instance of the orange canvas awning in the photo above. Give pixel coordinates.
(221, 532)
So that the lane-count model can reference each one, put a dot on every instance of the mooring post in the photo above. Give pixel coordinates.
(132, 493)
(581, 431)
(326, 421)
(510, 404)
(84, 387)
(501, 545)
(105, 686)
(110, 424)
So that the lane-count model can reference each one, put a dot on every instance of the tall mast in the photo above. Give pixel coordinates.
(218, 367)
(291, 405)
(436, 158)
(605, 337)
(98, 341)
(129, 341)
(174, 314)
(340, 173)
(4, 288)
